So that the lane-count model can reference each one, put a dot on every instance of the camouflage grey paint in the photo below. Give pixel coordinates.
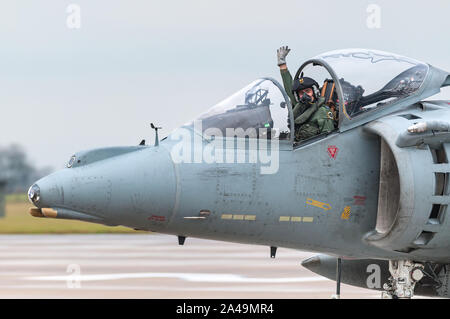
(144, 189)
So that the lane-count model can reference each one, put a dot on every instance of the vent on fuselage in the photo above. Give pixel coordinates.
(437, 214)
(424, 238)
(410, 116)
(441, 184)
(439, 155)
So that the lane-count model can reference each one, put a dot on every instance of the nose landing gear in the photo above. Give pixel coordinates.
(404, 276)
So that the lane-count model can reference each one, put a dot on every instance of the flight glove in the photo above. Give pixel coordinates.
(281, 54)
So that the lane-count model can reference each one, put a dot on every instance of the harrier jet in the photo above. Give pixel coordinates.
(371, 197)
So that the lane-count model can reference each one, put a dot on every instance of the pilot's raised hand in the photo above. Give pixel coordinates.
(281, 54)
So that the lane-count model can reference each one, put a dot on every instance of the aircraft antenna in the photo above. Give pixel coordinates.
(338, 279)
(156, 133)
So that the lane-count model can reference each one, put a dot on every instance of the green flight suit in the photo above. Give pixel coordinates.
(312, 119)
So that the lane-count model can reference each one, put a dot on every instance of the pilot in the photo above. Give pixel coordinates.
(311, 115)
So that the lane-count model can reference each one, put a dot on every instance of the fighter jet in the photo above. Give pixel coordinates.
(371, 197)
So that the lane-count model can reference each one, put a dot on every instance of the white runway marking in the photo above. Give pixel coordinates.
(194, 277)
(270, 289)
(155, 266)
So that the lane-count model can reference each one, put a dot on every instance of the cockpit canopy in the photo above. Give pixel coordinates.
(359, 85)
(371, 79)
(371, 84)
(259, 110)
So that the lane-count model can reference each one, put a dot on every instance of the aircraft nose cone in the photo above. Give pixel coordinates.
(312, 263)
(46, 192)
(34, 194)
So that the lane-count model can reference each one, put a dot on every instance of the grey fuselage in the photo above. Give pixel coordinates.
(324, 196)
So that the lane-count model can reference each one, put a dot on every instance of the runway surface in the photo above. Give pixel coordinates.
(154, 266)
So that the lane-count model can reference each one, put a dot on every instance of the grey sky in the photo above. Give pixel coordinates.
(136, 62)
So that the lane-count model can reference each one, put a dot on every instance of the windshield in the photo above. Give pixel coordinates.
(372, 79)
(258, 110)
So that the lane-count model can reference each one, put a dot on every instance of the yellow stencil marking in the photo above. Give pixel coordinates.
(316, 203)
(346, 213)
(238, 217)
(296, 219)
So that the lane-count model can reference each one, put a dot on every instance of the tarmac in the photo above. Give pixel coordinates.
(155, 266)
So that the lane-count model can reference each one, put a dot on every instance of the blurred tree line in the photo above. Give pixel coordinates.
(17, 171)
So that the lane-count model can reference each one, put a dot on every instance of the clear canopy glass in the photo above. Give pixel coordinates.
(258, 110)
(373, 79)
